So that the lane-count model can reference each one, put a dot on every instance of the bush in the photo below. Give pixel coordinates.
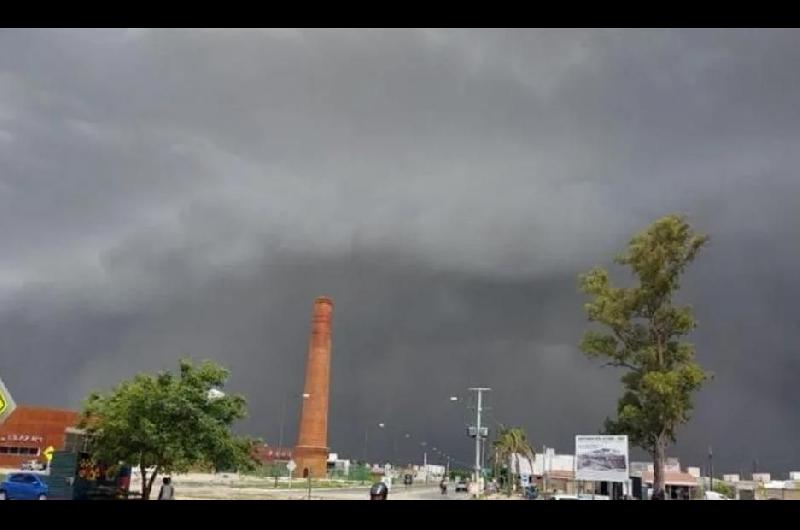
(725, 489)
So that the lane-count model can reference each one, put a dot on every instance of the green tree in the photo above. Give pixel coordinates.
(644, 339)
(510, 442)
(725, 489)
(169, 423)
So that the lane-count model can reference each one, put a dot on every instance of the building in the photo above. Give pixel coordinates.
(763, 487)
(338, 467)
(556, 473)
(29, 430)
(431, 471)
(272, 455)
(678, 484)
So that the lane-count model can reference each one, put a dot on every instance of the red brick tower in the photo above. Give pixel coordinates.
(311, 453)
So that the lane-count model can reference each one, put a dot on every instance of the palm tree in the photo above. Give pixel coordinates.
(510, 442)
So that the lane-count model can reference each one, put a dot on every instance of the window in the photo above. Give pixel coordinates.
(5, 450)
(17, 478)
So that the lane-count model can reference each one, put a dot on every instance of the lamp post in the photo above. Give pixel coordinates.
(425, 460)
(711, 467)
(304, 395)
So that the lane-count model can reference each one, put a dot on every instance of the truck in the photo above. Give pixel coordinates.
(78, 476)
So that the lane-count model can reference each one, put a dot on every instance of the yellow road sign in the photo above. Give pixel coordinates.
(7, 405)
(48, 453)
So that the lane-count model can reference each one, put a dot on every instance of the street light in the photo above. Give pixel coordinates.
(304, 395)
(425, 460)
(366, 438)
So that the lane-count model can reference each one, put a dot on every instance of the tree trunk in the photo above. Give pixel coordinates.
(145, 489)
(510, 474)
(659, 462)
(152, 479)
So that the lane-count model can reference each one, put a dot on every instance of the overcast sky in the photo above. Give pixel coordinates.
(167, 193)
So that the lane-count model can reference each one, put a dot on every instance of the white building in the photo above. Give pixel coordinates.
(338, 466)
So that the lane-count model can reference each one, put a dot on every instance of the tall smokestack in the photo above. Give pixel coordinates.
(311, 453)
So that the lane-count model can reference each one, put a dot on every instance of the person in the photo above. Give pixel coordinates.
(378, 492)
(443, 486)
(167, 492)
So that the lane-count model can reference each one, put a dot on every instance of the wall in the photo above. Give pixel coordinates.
(33, 428)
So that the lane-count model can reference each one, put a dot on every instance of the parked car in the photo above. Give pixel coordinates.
(23, 486)
(33, 465)
(530, 493)
(461, 485)
(579, 497)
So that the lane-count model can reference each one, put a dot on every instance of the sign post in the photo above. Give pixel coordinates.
(291, 466)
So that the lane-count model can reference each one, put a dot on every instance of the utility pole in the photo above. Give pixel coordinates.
(544, 471)
(425, 465)
(711, 467)
(478, 430)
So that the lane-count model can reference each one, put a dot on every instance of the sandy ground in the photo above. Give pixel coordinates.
(231, 486)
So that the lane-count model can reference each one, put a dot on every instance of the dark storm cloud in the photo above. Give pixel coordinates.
(190, 192)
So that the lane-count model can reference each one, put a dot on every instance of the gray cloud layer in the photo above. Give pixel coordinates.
(189, 192)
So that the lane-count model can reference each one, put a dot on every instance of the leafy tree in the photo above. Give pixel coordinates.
(169, 423)
(725, 489)
(644, 339)
(510, 442)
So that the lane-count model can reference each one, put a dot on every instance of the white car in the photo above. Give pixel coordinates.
(578, 497)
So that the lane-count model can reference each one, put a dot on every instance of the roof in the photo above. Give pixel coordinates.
(37, 425)
(672, 478)
(25, 415)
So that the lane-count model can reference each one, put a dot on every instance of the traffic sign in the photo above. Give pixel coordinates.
(291, 466)
(7, 405)
(48, 453)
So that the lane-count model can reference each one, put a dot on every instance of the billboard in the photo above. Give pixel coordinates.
(601, 458)
(7, 405)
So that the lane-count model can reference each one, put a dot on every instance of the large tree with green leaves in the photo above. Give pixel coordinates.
(169, 422)
(643, 336)
(510, 442)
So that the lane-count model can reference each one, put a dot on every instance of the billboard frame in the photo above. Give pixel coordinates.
(603, 453)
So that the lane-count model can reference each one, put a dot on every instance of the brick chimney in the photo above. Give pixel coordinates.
(311, 452)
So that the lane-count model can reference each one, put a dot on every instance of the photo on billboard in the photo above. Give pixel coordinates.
(601, 458)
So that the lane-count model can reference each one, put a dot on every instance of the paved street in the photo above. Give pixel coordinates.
(398, 493)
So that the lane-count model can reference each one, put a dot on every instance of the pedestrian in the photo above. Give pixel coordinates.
(167, 492)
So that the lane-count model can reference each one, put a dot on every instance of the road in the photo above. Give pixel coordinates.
(398, 493)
